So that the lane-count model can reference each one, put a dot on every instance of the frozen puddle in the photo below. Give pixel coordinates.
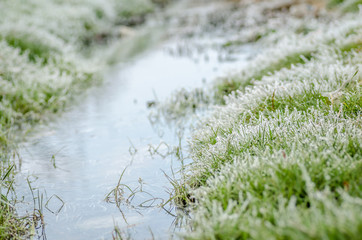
(80, 156)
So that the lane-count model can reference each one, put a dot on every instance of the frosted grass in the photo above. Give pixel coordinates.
(282, 158)
(43, 52)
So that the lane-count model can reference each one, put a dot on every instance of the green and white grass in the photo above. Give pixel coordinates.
(43, 46)
(282, 159)
(345, 5)
(305, 36)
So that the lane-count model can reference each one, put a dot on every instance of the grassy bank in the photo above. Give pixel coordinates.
(280, 158)
(46, 52)
(49, 53)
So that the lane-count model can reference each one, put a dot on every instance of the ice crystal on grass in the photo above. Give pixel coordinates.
(43, 45)
(282, 158)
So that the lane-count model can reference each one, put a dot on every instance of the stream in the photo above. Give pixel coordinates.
(73, 162)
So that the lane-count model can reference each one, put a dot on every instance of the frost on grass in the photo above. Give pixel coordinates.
(285, 46)
(297, 164)
(44, 52)
(178, 109)
(282, 158)
(296, 49)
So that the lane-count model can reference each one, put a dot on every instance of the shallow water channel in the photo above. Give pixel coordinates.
(78, 158)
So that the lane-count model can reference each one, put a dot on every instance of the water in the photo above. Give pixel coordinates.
(80, 156)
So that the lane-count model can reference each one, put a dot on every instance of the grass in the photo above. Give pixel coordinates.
(350, 102)
(229, 85)
(281, 159)
(134, 9)
(11, 226)
(281, 167)
(226, 86)
(252, 175)
(279, 53)
(345, 5)
(291, 57)
(34, 47)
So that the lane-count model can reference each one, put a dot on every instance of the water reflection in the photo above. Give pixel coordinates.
(79, 158)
